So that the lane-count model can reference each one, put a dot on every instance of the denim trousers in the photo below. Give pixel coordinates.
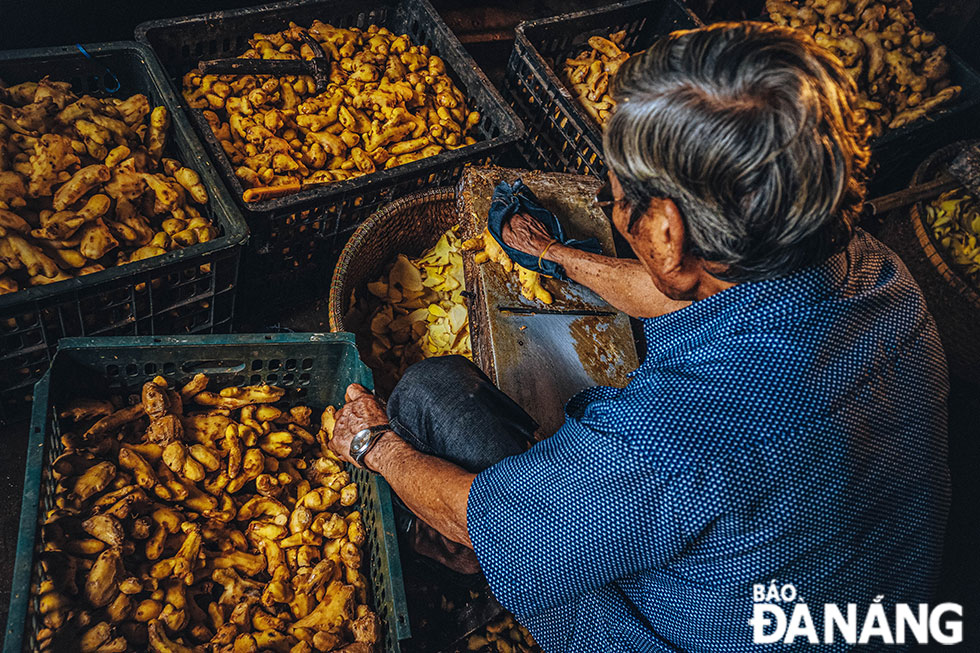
(447, 407)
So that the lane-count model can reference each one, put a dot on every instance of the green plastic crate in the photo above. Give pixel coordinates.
(314, 368)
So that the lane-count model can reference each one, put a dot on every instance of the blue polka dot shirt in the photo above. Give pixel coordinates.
(790, 430)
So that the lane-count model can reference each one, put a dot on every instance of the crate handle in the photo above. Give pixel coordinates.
(210, 367)
(109, 75)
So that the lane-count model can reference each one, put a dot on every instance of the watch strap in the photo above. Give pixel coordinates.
(375, 432)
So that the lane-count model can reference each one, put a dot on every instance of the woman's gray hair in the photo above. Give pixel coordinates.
(750, 129)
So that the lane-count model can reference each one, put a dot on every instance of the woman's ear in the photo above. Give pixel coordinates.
(673, 234)
(658, 239)
(661, 233)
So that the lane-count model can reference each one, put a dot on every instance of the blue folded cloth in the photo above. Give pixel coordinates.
(509, 199)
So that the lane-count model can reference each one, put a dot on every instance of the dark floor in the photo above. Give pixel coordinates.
(11, 488)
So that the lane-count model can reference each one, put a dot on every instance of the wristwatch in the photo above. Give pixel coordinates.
(364, 439)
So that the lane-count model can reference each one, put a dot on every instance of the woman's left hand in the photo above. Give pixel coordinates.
(362, 410)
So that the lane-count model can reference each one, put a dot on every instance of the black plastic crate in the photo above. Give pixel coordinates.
(560, 135)
(291, 233)
(897, 153)
(190, 290)
(315, 369)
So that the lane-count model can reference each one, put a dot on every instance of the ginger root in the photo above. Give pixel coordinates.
(488, 249)
(83, 175)
(900, 69)
(384, 92)
(588, 74)
(200, 540)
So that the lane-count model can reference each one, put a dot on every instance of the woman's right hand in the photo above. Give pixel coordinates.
(526, 234)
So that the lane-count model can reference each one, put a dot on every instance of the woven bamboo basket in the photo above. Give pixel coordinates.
(409, 226)
(952, 299)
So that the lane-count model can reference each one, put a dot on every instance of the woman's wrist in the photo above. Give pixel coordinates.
(384, 448)
(554, 252)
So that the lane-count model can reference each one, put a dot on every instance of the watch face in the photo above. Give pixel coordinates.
(360, 440)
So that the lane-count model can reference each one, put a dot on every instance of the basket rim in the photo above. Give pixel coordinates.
(362, 235)
(236, 230)
(935, 253)
(462, 64)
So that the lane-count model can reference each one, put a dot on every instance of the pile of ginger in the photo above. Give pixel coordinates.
(901, 71)
(192, 521)
(84, 184)
(387, 102)
(590, 72)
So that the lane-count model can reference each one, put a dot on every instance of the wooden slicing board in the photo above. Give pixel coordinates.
(541, 355)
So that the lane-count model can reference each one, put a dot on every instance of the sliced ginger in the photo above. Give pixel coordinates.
(417, 310)
(490, 250)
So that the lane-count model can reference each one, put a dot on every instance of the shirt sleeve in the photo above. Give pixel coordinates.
(568, 516)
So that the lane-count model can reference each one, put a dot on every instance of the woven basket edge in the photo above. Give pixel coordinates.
(335, 302)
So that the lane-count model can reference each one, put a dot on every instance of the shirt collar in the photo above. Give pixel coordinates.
(747, 303)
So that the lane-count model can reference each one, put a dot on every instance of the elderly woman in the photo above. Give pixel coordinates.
(788, 422)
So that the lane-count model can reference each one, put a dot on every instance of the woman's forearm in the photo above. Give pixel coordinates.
(624, 283)
(434, 489)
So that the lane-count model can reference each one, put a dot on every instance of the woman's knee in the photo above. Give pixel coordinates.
(432, 378)
(448, 407)
(424, 384)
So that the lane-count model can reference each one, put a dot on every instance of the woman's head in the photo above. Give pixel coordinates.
(750, 130)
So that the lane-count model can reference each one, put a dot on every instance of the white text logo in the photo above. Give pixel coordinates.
(903, 624)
